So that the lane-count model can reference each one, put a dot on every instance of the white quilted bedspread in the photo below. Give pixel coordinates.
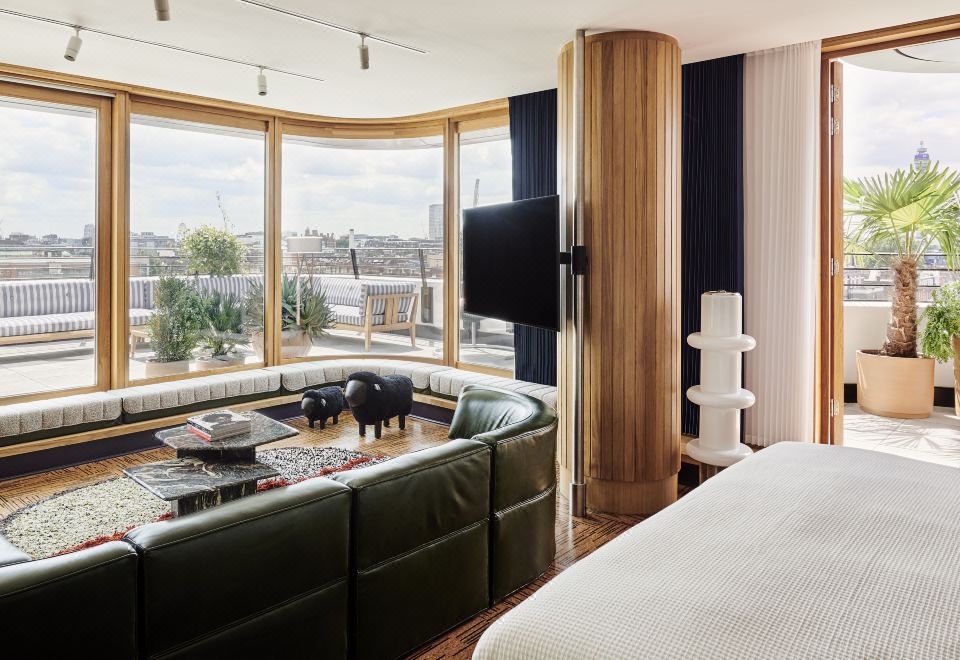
(800, 551)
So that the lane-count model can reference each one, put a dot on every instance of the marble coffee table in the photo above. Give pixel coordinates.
(205, 474)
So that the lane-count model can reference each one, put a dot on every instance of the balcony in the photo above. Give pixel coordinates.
(866, 309)
(36, 358)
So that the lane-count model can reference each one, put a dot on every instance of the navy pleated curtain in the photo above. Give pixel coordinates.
(711, 200)
(533, 143)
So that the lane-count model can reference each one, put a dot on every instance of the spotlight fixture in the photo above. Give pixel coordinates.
(73, 47)
(364, 53)
(262, 83)
(163, 9)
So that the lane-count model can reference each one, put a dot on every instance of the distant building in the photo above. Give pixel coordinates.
(436, 222)
(921, 160)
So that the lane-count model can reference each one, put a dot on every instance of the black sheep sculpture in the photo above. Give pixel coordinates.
(322, 404)
(375, 399)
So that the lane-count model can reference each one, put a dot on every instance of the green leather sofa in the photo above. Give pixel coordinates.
(370, 563)
(259, 577)
(419, 546)
(80, 605)
(522, 433)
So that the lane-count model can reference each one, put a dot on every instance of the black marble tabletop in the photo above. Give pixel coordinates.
(183, 477)
(262, 430)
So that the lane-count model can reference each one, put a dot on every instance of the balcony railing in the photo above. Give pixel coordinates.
(875, 282)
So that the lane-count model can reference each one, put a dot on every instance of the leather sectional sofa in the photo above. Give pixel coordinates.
(370, 563)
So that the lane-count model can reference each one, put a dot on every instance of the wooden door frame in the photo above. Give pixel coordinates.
(828, 423)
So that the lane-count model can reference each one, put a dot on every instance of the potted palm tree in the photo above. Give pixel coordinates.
(896, 218)
(940, 334)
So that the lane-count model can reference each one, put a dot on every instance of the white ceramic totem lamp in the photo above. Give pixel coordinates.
(721, 342)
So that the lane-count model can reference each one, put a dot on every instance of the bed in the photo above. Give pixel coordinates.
(799, 551)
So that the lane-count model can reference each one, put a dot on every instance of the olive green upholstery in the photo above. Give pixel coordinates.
(522, 432)
(79, 605)
(260, 577)
(420, 546)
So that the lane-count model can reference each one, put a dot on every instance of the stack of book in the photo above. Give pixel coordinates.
(219, 425)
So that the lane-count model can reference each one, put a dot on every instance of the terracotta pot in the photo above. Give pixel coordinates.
(207, 363)
(293, 344)
(955, 343)
(893, 386)
(153, 369)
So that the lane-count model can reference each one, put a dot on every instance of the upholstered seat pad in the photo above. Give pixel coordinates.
(198, 391)
(19, 326)
(52, 415)
(348, 315)
(450, 381)
(299, 376)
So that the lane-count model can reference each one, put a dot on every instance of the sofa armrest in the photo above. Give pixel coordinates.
(491, 414)
(10, 554)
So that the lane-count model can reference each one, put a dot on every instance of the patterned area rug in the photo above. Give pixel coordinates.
(91, 515)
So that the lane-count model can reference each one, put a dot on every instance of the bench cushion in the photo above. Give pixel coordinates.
(20, 326)
(303, 375)
(448, 384)
(182, 396)
(35, 420)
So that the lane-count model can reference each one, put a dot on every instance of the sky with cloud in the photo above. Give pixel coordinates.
(886, 115)
(47, 170)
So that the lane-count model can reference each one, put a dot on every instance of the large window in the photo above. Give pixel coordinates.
(197, 219)
(48, 238)
(362, 246)
(486, 176)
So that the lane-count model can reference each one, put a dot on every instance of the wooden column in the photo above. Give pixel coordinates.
(631, 219)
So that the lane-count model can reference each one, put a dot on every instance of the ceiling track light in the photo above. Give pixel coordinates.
(262, 83)
(163, 9)
(332, 26)
(73, 46)
(364, 53)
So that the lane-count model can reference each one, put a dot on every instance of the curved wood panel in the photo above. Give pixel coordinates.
(631, 226)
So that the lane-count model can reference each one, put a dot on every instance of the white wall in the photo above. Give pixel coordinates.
(864, 326)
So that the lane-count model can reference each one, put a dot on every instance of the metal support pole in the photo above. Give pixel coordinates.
(578, 486)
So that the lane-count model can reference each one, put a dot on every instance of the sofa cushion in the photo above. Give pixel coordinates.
(35, 420)
(40, 297)
(87, 601)
(19, 326)
(303, 375)
(449, 383)
(263, 576)
(181, 396)
(349, 316)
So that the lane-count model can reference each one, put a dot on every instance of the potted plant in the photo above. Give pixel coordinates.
(940, 335)
(223, 332)
(896, 219)
(175, 327)
(305, 315)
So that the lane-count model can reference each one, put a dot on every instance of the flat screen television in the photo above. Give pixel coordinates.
(511, 262)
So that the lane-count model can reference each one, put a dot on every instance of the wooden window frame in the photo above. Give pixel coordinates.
(116, 102)
(829, 380)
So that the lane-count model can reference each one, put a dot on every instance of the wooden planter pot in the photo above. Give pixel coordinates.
(894, 387)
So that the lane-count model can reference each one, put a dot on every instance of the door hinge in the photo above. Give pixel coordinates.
(834, 267)
(834, 126)
(834, 93)
(834, 408)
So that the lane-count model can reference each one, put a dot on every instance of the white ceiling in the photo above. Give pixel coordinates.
(479, 49)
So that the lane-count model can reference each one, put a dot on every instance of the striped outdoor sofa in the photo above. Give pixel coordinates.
(32, 310)
(365, 306)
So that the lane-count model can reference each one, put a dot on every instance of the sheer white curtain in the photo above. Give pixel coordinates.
(780, 166)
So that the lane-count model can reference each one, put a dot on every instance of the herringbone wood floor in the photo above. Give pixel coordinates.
(576, 537)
